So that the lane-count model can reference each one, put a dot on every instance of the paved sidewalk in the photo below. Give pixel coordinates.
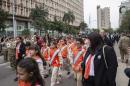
(121, 79)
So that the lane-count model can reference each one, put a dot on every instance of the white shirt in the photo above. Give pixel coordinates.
(91, 73)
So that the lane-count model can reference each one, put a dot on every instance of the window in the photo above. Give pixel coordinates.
(19, 28)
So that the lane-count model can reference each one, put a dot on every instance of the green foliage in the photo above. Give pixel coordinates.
(69, 17)
(26, 32)
(59, 26)
(83, 25)
(3, 17)
(95, 30)
(39, 17)
(74, 30)
(119, 30)
(125, 26)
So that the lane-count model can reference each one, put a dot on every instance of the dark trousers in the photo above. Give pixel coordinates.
(127, 72)
(18, 60)
(89, 81)
(129, 83)
(5, 54)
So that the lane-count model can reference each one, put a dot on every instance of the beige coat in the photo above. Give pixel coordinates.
(124, 43)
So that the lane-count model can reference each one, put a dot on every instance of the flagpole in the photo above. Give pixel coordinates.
(14, 21)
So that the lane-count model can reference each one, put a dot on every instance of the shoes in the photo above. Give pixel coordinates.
(58, 82)
(69, 74)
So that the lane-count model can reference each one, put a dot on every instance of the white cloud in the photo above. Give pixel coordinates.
(90, 9)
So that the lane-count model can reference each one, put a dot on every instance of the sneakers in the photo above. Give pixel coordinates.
(58, 82)
(69, 74)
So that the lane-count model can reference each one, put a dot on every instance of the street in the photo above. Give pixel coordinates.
(7, 75)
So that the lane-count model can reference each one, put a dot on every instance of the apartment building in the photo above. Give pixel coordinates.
(103, 18)
(55, 7)
(125, 5)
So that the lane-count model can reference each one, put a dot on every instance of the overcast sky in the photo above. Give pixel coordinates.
(90, 11)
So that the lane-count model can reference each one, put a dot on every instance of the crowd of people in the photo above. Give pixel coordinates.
(91, 60)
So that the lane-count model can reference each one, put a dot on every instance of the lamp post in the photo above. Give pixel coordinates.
(14, 21)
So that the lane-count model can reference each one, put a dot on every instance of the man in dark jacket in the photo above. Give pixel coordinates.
(20, 49)
(106, 40)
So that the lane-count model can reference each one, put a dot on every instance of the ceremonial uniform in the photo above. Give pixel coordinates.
(11, 53)
(23, 83)
(55, 62)
(5, 51)
(78, 55)
(45, 54)
(64, 53)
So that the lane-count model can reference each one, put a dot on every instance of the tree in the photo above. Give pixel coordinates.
(58, 25)
(125, 25)
(39, 17)
(74, 30)
(82, 26)
(3, 17)
(110, 30)
(26, 32)
(69, 17)
(95, 30)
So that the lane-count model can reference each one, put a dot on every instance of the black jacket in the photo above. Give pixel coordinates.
(103, 76)
(127, 72)
(21, 50)
(108, 41)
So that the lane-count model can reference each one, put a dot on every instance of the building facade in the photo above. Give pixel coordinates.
(22, 9)
(123, 8)
(103, 18)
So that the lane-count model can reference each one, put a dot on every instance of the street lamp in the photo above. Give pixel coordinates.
(14, 21)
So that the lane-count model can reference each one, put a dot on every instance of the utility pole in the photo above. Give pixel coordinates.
(14, 21)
